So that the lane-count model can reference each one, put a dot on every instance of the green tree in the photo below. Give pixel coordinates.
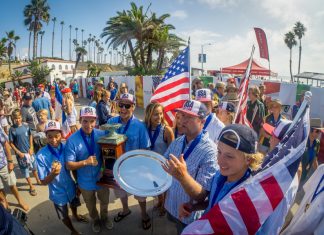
(79, 51)
(299, 30)
(36, 13)
(3, 50)
(38, 72)
(53, 35)
(16, 76)
(11, 45)
(290, 42)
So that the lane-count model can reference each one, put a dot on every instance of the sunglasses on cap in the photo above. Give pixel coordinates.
(126, 106)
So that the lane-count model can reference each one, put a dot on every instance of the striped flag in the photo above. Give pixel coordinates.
(272, 190)
(174, 88)
(58, 108)
(240, 116)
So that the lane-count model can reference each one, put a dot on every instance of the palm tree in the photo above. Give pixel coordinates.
(299, 30)
(76, 33)
(79, 51)
(84, 45)
(70, 55)
(15, 41)
(53, 33)
(29, 40)
(3, 50)
(38, 72)
(82, 30)
(10, 39)
(62, 24)
(35, 13)
(290, 42)
(41, 33)
(89, 41)
(16, 76)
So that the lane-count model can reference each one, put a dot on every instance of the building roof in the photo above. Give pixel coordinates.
(47, 61)
(311, 75)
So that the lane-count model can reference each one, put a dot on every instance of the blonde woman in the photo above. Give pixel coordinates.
(42, 120)
(226, 113)
(161, 136)
(122, 90)
(96, 98)
(69, 109)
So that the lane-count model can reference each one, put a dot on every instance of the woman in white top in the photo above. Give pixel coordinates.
(161, 136)
(69, 109)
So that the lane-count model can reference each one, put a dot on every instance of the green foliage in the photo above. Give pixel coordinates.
(16, 76)
(144, 34)
(39, 72)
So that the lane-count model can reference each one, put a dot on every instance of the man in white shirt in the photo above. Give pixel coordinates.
(45, 93)
(212, 124)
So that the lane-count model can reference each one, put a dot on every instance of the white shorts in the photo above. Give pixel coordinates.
(6, 178)
(4, 121)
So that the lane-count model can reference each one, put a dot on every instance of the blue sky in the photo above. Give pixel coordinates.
(226, 24)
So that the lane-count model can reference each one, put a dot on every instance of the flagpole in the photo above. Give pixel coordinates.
(245, 81)
(190, 85)
(269, 68)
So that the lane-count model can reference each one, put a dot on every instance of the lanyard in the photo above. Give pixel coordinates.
(318, 190)
(209, 118)
(155, 135)
(127, 124)
(191, 147)
(54, 153)
(273, 120)
(176, 133)
(90, 147)
(311, 151)
(221, 181)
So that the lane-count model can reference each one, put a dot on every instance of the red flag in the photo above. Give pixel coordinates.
(262, 41)
(240, 116)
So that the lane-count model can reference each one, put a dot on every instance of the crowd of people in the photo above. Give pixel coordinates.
(207, 154)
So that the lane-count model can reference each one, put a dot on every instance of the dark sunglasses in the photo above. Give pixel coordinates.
(315, 130)
(126, 106)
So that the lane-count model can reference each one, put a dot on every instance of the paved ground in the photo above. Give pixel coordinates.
(42, 218)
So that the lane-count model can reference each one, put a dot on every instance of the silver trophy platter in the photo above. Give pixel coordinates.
(140, 173)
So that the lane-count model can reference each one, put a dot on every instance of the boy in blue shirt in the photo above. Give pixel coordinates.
(83, 155)
(21, 141)
(52, 172)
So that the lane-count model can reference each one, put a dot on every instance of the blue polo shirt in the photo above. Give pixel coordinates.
(62, 188)
(76, 150)
(42, 103)
(137, 136)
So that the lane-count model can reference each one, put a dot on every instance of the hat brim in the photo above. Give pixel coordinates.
(125, 100)
(187, 112)
(56, 129)
(88, 116)
(204, 100)
(272, 102)
(268, 128)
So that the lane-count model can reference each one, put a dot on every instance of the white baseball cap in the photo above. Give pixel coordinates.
(203, 95)
(52, 125)
(194, 108)
(88, 111)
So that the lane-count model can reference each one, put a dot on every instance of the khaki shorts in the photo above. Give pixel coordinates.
(6, 178)
(120, 193)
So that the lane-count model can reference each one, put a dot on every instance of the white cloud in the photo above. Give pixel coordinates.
(180, 14)
(219, 3)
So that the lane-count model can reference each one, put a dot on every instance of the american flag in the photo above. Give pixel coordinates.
(174, 87)
(245, 208)
(243, 96)
(58, 109)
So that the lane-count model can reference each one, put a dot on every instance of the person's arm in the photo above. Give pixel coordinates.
(168, 135)
(90, 161)
(31, 143)
(52, 112)
(68, 108)
(51, 176)
(102, 115)
(9, 156)
(178, 169)
(16, 150)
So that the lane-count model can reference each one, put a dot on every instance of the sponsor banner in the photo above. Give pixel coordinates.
(139, 91)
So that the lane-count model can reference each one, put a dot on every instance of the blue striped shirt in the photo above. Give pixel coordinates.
(201, 165)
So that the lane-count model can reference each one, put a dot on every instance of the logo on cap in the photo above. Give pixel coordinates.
(51, 124)
(202, 94)
(88, 110)
(188, 105)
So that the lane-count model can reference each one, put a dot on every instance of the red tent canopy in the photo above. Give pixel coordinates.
(240, 69)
